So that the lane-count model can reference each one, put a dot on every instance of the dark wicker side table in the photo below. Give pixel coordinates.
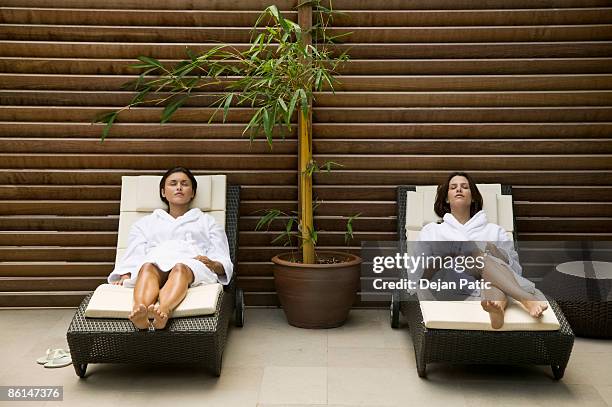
(584, 292)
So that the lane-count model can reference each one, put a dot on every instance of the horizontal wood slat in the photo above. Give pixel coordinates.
(343, 177)
(163, 34)
(458, 114)
(54, 269)
(348, 18)
(153, 146)
(439, 5)
(329, 99)
(156, 161)
(113, 177)
(198, 18)
(455, 66)
(389, 131)
(122, 50)
(556, 193)
(329, 208)
(256, 5)
(350, 162)
(389, 5)
(515, 92)
(345, 83)
(322, 114)
(324, 146)
(254, 193)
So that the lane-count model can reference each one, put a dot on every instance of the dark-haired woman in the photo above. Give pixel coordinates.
(459, 204)
(169, 251)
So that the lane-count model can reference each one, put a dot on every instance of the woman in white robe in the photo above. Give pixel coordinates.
(459, 204)
(169, 251)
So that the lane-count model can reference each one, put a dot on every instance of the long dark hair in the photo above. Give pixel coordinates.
(441, 207)
(162, 183)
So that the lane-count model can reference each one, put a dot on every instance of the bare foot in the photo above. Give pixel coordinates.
(139, 317)
(496, 312)
(535, 308)
(160, 318)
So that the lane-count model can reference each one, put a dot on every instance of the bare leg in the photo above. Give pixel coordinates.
(503, 278)
(145, 294)
(494, 303)
(171, 294)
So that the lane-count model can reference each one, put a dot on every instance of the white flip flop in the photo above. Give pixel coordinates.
(48, 357)
(60, 358)
(61, 361)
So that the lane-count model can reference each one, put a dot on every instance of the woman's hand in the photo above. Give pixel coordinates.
(122, 279)
(215, 266)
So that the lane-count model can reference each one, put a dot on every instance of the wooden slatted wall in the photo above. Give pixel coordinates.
(511, 91)
(516, 91)
(64, 61)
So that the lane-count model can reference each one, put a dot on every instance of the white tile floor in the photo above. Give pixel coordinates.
(269, 363)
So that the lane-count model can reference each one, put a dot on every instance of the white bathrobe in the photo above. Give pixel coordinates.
(165, 241)
(477, 229)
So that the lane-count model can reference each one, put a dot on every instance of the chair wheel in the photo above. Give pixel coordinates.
(558, 371)
(239, 310)
(394, 310)
(80, 369)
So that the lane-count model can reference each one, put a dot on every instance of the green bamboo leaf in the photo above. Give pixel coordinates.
(151, 61)
(139, 98)
(292, 104)
(348, 235)
(280, 237)
(191, 55)
(254, 126)
(304, 101)
(109, 119)
(289, 225)
(171, 108)
(267, 219)
(267, 123)
(317, 82)
(226, 105)
(139, 66)
(314, 236)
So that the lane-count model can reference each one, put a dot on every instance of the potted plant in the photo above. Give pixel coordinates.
(277, 76)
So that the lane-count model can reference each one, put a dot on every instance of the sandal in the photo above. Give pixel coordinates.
(48, 357)
(56, 358)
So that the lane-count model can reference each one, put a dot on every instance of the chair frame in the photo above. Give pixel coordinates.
(551, 348)
(199, 339)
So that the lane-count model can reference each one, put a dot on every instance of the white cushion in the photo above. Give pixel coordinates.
(412, 235)
(429, 199)
(414, 210)
(505, 217)
(489, 200)
(141, 193)
(420, 208)
(115, 301)
(469, 315)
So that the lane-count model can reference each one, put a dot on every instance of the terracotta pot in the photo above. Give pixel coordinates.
(317, 295)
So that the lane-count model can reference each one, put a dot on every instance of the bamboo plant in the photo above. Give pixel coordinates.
(276, 76)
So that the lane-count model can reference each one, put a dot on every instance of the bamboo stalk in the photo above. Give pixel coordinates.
(305, 193)
(305, 154)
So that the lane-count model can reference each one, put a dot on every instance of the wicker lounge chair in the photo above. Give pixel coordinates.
(199, 339)
(551, 348)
